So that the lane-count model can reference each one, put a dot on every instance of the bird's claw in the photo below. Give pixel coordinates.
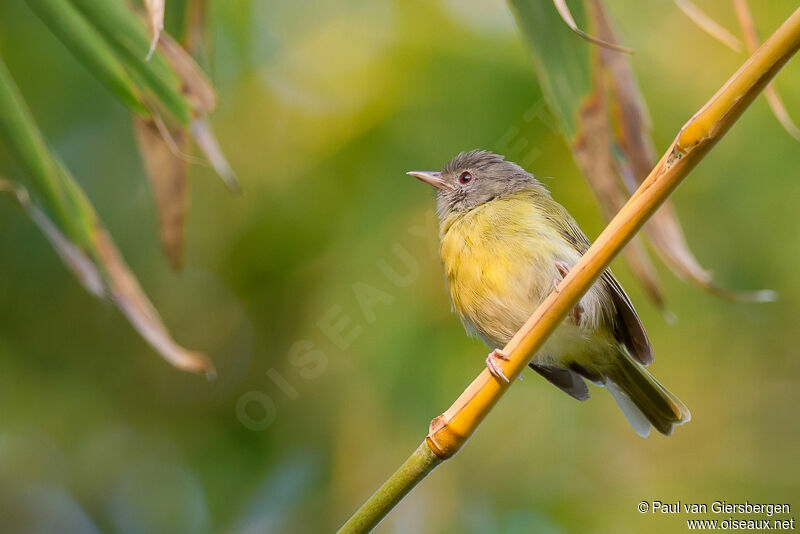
(563, 269)
(494, 367)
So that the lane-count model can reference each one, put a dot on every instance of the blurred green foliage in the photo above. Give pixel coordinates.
(323, 107)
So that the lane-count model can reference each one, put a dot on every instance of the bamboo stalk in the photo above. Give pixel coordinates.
(421, 462)
(450, 431)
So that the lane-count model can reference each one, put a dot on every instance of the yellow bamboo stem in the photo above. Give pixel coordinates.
(449, 431)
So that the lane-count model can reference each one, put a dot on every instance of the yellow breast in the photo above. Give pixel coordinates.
(499, 261)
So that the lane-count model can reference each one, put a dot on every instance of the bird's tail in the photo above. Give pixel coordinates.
(642, 398)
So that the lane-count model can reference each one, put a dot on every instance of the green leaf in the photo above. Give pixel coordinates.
(128, 36)
(85, 246)
(61, 196)
(90, 49)
(560, 57)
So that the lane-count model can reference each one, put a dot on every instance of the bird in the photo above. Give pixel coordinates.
(505, 243)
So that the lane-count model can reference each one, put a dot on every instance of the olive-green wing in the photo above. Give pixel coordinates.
(628, 328)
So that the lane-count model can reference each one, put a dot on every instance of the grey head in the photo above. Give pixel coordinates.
(474, 178)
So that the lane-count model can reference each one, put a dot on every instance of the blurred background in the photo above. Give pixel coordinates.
(319, 295)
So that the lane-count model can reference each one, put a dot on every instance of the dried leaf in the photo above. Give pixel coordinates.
(566, 16)
(155, 18)
(747, 24)
(195, 87)
(73, 257)
(779, 110)
(77, 234)
(635, 253)
(709, 25)
(774, 100)
(168, 175)
(194, 38)
(667, 237)
(638, 157)
(134, 304)
(205, 139)
(592, 150)
(116, 280)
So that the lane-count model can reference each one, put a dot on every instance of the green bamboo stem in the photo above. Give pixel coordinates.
(378, 506)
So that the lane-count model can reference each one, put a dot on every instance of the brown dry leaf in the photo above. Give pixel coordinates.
(779, 110)
(639, 261)
(566, 16)
(204, 137)
(131, 300)
(155, 18)
(747, 24)
(203, 98)
(632, 127)
(194, 85)
(73, 257)
(167, 172)
(195, 33)
(592, 149)
(667, 237)
(774, 100)
(709, 25)
(113, 278)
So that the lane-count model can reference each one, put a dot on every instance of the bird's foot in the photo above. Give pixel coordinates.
(563, 269)
(494, 366)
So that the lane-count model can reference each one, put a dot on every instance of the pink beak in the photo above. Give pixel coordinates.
(431, 178)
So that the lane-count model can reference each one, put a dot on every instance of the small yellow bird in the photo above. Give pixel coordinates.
(505, 243)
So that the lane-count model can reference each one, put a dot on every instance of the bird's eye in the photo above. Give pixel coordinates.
(465, 178)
